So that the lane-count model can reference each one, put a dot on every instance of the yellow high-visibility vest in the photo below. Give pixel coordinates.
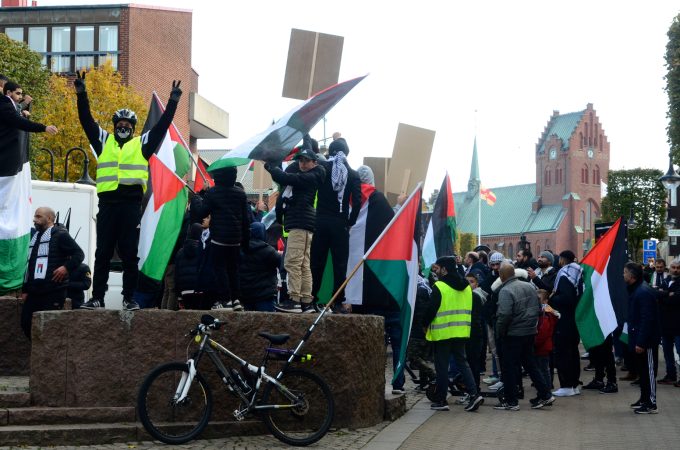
(454, 317)
(118, 165)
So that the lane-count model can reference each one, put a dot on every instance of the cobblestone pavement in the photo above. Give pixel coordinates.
(337, 439)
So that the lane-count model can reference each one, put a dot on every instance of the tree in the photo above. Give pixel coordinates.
(106, 93)
(466, 242)
(640, 193)
(673, 88)
(22, 65)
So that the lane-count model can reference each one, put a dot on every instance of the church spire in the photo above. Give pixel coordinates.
(474, 182)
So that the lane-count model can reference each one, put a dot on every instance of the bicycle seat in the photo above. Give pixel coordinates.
(276, 339)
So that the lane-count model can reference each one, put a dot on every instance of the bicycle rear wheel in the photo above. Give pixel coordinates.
(305, 420)
(163, 417)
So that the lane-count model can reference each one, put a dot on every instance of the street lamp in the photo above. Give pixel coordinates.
(632, 224)
(671, 181)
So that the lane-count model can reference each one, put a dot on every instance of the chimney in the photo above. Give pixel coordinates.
(15, 3)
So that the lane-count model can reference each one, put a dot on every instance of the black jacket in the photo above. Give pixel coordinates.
(565, 299)
(63, 251)
(98, 136)
(79, 281)
(328, 205)
(297, 212)
(13, 152)
(257, 272)
(547, 281)
(422, 305)
(669, 308)
(228, 209)
(187, 266)
(644, 329)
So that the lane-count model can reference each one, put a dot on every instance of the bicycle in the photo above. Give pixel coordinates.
(175, 401)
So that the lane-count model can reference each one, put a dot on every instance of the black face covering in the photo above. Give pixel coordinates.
(123, 132)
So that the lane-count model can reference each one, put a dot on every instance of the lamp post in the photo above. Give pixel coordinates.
(671, 181)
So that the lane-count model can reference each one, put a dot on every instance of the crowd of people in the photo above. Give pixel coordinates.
(522, 312)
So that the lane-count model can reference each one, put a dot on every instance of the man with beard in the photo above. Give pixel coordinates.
(567, 290)
(544, 276)
(525, 259)
(52, 256)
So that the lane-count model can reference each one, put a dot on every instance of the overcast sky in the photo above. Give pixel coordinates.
(491, 69)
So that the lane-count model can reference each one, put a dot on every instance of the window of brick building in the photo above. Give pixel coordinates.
(37, 41)
(84, 44)
(61, 43)
(596, 175)
(584, 174)
(547, 176)
(108, 42)
(15, 33)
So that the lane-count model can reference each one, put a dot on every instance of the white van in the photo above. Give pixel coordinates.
(78, 203)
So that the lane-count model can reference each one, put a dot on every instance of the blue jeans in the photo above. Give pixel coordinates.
(667, 342)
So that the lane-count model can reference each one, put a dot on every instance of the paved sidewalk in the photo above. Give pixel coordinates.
(590, 420)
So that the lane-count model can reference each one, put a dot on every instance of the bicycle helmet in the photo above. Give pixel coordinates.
(125, 114)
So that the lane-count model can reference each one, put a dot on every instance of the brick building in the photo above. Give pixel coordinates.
(559, 210)
(150, 46)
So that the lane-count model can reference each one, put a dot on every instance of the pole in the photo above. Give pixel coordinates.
(479, 218)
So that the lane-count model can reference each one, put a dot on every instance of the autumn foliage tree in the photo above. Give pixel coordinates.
(106, 93)
(22, 65)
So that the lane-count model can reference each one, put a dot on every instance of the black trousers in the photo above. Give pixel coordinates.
(40, 302)
(442, 354)
(602, 357)
(647, 364)
(226, 260)
(473, 350)
(331, 234)
(567, 359)
(518, 352)
(117, 228)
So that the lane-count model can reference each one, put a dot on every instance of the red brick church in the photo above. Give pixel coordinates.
(559, 210)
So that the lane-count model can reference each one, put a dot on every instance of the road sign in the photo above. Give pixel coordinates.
(674, 233)
(648, 245)
(647, 255)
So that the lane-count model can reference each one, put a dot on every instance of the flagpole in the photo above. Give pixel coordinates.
(368, 252)
(185, 145)
(479, 217)
(246, 172)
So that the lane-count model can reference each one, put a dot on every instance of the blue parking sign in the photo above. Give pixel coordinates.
(647, 255)
(648, 245)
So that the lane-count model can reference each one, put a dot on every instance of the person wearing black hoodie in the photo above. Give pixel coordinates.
(122, 175)
(449, 316)
(258, 272)
(644, 335)
(187, 267)
(229, 232)
(337, 209)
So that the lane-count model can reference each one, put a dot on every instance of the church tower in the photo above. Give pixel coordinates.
(474, 183)
(572, 161)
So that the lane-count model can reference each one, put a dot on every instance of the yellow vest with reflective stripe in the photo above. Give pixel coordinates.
(454, 317)
(125, 165)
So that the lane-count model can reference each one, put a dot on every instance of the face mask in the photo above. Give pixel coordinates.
(123, 132)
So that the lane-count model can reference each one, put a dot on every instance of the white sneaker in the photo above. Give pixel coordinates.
(577, 391)
(463, 400)
(564, 392)
(497, 386)
(491, 380)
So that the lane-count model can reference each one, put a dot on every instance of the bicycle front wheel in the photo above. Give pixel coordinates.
(165, 417)
(306, 418)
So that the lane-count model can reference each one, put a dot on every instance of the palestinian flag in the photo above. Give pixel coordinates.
(374, 215)
(165, 200)
(604, 301)
(440, 236)
(203, 179)
(393, 258)
(15, 218)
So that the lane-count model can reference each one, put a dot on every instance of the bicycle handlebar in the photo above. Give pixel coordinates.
(208, 322)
